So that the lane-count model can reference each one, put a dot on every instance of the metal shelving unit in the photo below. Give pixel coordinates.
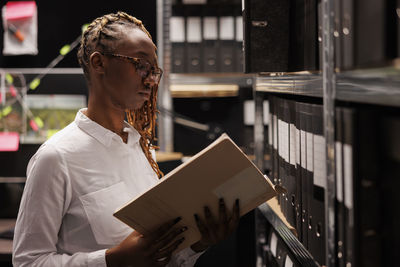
(378, 86)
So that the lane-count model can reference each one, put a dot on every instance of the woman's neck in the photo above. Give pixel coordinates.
(107, 116)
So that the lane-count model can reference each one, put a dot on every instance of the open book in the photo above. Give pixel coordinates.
(221, 170)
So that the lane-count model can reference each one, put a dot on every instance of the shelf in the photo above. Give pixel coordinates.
(203, 90)
(239, 79)
(374, 86)
(299, 251)
(42, 70)
(379, 86)
(6, 244)
(12, 180)
(305, 83)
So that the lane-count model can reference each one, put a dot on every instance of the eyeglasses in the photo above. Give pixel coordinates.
(143, 67)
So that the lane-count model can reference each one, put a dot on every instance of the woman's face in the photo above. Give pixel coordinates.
(121, 80)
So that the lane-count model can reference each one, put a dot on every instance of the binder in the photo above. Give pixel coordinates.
(177, 38)
(338, 33)
(266, 35)
(367, 193)
(339, 205)
(398, 26)
(238, 53)
(320, 33)
(227, 43)
(289, 118)
(286, 179)
(276, 141)
(348, 33)
(317, 240)
(298, 200)
(297, 35)
(271, 135)
(349, 173)
(370, 38)
(311, 35)
(304, 176)
(309, 172)
(281, 154)
(210, 44)
(193, 45)
(281, 252)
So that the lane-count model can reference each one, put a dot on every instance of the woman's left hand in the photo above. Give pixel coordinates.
(214, 231)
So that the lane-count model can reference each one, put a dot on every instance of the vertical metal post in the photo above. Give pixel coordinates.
(260, 238)
(165, 122)
(329, 93)
(258, 128)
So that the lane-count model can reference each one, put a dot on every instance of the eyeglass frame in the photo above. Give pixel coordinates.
(135, 61)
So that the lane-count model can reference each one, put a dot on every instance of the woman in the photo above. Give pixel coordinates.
(80, 176)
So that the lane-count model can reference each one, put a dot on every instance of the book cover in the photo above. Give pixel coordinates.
(221, 170)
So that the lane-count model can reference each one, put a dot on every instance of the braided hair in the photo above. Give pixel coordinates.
(102, 35)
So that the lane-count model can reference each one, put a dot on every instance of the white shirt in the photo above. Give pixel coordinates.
(75, 182)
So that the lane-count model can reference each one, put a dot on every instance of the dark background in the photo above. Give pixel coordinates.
(60, 22)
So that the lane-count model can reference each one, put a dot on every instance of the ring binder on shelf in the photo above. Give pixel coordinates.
(193, 44)
(177, 37)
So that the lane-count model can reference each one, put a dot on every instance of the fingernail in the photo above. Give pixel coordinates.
(183, 229)
(196, 217)
(177, 219)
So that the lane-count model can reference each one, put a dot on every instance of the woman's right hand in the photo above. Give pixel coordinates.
(154, 249)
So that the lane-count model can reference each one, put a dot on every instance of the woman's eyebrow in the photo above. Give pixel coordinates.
(146, 56)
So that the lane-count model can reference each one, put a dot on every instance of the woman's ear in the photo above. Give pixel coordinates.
(96, 62)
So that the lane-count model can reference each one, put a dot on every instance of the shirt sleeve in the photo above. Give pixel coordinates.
(184, 258)
(45, 200)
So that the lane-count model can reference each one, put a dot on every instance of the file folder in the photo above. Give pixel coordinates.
(281, 154)
(398, 26)
(337, 33)
(320, 33)
(299, 192)
(368, 194)
(339, 205)
(266, 35)
(304, 173)
(311, 35)
(290, 183)
(227, 43)
(177, 38)
(193, 34)
(317, 241)
(348, 33)
(276, 141)
(271, 135)
(309, 171)
(210, 44)
(297, 35)
(349, 173)
(238, 53)
(370, 37)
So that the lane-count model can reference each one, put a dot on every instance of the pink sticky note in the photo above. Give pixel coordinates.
(19, 9)
(13, 92)
(9, 141)
(33, 125)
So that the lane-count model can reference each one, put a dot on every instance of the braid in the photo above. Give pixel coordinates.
(102, 33)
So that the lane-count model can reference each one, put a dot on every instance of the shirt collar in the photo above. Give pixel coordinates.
(101, 134)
